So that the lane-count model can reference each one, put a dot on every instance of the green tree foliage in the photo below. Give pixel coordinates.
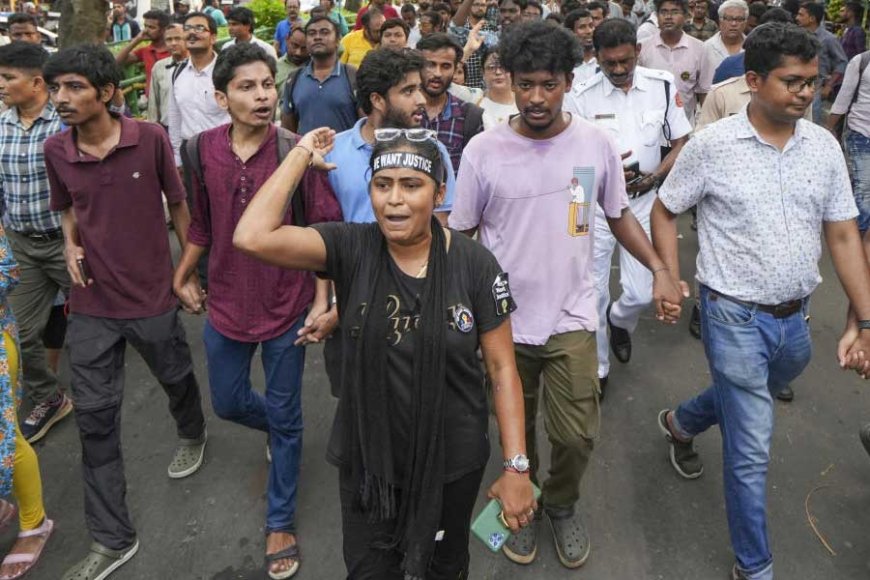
(268, 13)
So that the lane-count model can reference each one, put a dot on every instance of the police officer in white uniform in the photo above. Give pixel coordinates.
(641, 109)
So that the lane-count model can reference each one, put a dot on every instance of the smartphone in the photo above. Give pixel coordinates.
(84, 272)
(488, 526)
(634, 168)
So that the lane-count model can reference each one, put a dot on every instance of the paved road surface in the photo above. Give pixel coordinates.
(645, 522)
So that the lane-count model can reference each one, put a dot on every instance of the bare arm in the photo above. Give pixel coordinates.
(667, 294)
(462, 12)
(290, 122)
(73, 251)
(180, 215)
(260, 232)
(513, 490)
(664, 237)
(850, 263)
(185, 282)
(126, 56)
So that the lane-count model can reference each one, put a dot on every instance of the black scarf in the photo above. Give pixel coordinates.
(365, 412)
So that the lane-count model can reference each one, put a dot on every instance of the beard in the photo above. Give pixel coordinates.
(396, 118)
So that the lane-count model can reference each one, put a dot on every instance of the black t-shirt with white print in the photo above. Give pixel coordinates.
(478, 299)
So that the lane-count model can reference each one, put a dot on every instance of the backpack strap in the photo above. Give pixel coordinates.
(287, 140)
(473, 122)
(178, 68)
(289, 87)
(192, 163)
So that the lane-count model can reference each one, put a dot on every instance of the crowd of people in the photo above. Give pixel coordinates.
(315, 179)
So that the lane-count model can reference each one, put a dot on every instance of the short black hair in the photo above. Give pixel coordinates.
(814, 9)
(212, 25)
(757, 9)
(242, 15)
(442, 6)
(395, 23)
(768, 43)
(235, 56)
(520, 3)
(383, 69)
(569, 6)
(92, 61)
(595, 5)
(684, 4)
(160, 16)
(322, 18)
(438, 41)
(857, 9)
(433, 16)
(535, 4)
(555, 18)
(408, 8)
(538, 46)
(22, 18)
(572, 17)
(614, 32)
(776, 14)
(23, 56)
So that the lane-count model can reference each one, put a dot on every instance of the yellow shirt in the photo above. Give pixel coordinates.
(354, 47)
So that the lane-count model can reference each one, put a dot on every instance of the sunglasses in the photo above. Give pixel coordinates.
(415, 135)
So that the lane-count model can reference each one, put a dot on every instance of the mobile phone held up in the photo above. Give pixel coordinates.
(488, 526)
(634, 168)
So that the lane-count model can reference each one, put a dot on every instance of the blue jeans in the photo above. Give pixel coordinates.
(278, 413)
(752, 356)
(858, 149)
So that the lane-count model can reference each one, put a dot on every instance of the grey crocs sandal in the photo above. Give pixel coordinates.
(188, 457)
(101, 562)
(522, 547)
(292, 553)
(570, 537)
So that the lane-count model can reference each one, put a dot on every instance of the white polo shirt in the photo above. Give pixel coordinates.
(635, 119)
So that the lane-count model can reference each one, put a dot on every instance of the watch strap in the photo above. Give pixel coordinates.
(864, 325)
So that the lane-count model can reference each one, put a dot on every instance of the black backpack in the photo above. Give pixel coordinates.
(286, 141)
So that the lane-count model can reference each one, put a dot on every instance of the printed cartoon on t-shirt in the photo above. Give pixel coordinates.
(580, 204)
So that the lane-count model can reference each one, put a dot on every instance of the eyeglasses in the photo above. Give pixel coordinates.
(415, 135)
(795, 86)
(733, 18)
(198, 28)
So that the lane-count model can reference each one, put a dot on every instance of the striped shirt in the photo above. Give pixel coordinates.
(23, 181)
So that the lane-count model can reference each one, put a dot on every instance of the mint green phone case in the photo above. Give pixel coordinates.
(487, 525)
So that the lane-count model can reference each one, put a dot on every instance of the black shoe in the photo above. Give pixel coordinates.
(620, 340)
(695, 322)
(684, 459)
(602, 385)
(864, 434)
(786, 395)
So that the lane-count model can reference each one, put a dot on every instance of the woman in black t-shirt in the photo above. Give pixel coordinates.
(410, 432)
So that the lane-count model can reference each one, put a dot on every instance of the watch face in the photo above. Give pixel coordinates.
(521, 463)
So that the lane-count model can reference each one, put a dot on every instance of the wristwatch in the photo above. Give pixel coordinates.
(518, 463)
(864, 325)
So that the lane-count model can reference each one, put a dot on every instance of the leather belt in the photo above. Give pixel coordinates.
(43, 236)
(781, 310)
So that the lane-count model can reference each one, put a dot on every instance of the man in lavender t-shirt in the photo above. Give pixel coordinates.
(539, 224)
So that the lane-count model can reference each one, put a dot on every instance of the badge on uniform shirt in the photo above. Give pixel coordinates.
(463, 318)
(501, 295)
(686, 75)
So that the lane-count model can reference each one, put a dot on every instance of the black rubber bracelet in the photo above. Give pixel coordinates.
(864, 325)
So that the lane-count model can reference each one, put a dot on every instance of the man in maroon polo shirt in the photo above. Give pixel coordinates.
(251, 303)
(106, 175)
